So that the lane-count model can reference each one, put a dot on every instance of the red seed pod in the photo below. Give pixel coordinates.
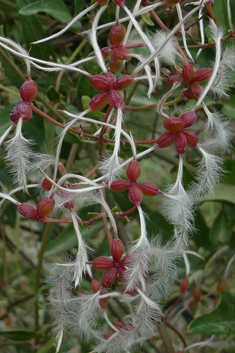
(184, 285)
(103, 303)
(120, 3)
(107, 52)
(123, 82)
(187, 93)
(27, 210)
(120, 185)
(122, 273)
(202, 75)
(109, 277)
(100, 83)
(187, 73)
(21, 111)
(191, 138)
(116, 250)
(174, 78)
(95, 285)
(126, 260)
(173, 124)
(133, 171)
(180, 143)
(110, 77)
(69, 205)
(115, 99)
(197, 293)
(195, 90)
(166, 139)
(46, 185)
(102, 263)
(221, 287)
(116, 64)
(121, 52)
(189, 117)
(41, 219)
(29, 90)
(45, 207)
(117, 34)
(149, 189)
(135, 195)
(99, 101)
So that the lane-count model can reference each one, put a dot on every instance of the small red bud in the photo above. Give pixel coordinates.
(133, 171)
(109, 277)
(99, 101)
(135, 195)
(189, 117)
(100, 83)
(120, 185)
(117, 34)
(121, 52)
(173, 124)
(166, 139)
(149, 189)
(195, 90)
(191, 138)
(115, 99)
(221, 287)
(69, 205)
(116, 64)
(110, 77)
(45, 207)
(202, 75)
(27, 210)
(180, 142)
(126, 260)
(187, 93)
(197, 293)
(95, 285)
(21, 111)
(187, 73)
(123, 82)
(46, 185)
(184, 285)
(117, 250)
(102, 263)
(120, 3)
(174, 78)
(107, 52)
(29, 90)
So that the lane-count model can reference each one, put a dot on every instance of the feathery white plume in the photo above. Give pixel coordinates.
(179, 12)
(169, 51)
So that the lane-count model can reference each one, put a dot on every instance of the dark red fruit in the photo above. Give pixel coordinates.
(184, 285)
(115, 99)
(202, 75)
(191, 138)
(173, 124)
(166, 139)
(27, 210)
(95, 285)
(197, 293)
(46, 185)
(109, 277)
(102, 263)
(123, 82)
(135, 195)
(148, 189)
(100, 83)
(45, 207)
(180, 143)
(69, 205)
(195, 90)
(120, 185)
(29, 90)
(117, 34)
(189, 117)
(187, 73)
(133, 171)
(99, 101)
(21, 111)
(116, 250)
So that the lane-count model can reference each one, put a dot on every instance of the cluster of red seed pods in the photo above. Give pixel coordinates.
(191, 78)
(40, 213)
(109, 86)
(22, 110)
(177, 132)
(136, 190)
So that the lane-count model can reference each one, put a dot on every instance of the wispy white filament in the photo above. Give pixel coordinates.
(179, 12)
(202, 34)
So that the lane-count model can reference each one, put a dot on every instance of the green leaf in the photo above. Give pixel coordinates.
(228, 108)
(219, 321)
(5, 118)
(52, 94)
(67, 239)
(50, 133)
(18, 335)
(224, 193)
(79, 5)
(221, 13)
(221, 229)
(56, 8)
(48, 347)
(229, 176)
(147, 19)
